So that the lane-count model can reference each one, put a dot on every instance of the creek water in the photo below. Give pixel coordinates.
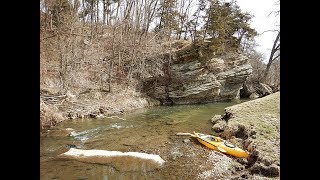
(149, 130)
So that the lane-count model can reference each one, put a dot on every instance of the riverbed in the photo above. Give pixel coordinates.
(146, 130)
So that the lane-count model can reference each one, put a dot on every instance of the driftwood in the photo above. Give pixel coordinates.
(53, 99)
(50, 97)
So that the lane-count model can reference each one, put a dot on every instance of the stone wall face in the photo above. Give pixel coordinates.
(194, 74)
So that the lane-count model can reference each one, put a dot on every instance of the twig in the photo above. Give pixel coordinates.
(54, 96)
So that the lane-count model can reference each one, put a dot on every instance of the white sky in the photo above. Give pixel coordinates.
(262, 22)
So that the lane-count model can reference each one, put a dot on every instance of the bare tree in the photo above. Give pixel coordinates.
(275, 51)
(274, 55)
(75, 53)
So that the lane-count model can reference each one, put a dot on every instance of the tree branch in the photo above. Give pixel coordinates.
(269, 31)
(277, 48)
(276, 57)
(48, 37)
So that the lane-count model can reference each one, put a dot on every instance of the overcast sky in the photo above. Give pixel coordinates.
(262, 22)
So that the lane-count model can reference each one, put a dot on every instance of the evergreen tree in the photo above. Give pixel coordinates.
(225, 22)
(168, 14)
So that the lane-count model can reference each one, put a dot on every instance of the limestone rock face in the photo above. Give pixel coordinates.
(194, 74)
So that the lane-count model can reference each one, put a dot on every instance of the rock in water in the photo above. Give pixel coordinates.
(216, 118)
(122, 161)
(186, 140)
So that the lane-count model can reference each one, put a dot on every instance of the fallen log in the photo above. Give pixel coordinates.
(122, 161)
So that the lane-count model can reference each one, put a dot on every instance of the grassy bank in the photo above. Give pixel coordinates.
(255, 126)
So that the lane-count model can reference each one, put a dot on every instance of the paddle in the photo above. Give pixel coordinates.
(185, 134)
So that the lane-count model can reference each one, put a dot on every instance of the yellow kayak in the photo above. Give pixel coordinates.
(221, 145)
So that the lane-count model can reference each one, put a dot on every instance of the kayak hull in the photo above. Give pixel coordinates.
(221, 145)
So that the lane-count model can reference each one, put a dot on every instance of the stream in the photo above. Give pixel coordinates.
(149, 130)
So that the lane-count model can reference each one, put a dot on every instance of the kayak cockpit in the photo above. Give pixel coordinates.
(210, 138)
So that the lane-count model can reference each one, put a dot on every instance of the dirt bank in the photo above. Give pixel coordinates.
(254, 126)
(92, 103)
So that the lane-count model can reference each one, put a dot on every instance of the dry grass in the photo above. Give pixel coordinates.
(49, 115)
(263, 115)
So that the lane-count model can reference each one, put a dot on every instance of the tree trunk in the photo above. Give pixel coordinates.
(104, 11)
(150, 17)
(110, 73)
(92, 18)
(97, 16)
(45, 15)
(195, 28)
(274, 49)
(61, 63)
(185, 33)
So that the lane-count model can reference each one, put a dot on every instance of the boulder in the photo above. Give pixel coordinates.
(254, 96)
(186, 140)
(219, 126)
(216, 118)
(255, 90)
(57, 132)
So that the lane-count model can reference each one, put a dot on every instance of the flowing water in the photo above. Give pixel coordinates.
(148, 130)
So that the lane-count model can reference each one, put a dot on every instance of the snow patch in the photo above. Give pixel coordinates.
(93, 152)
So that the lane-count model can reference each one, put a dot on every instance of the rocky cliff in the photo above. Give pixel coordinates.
(193, 73)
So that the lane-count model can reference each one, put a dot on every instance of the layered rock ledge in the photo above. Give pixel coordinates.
(193, 73)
